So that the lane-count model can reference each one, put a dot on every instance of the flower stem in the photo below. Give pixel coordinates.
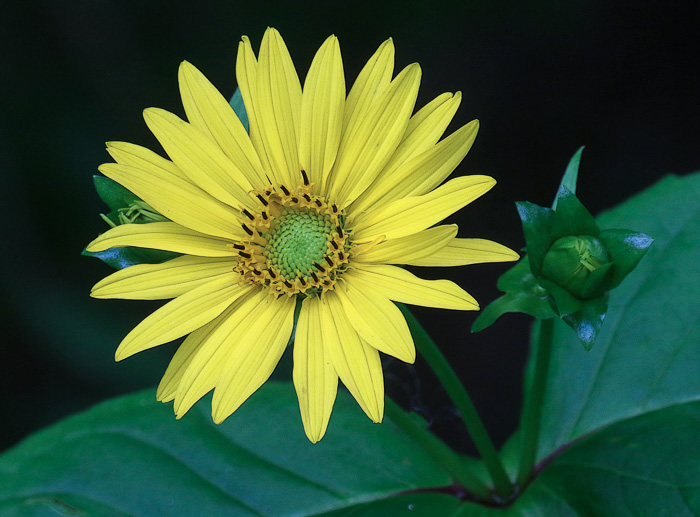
(532, 411)
(448, 459)
(460, 398)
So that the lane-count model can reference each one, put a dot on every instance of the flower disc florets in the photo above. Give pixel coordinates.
(297, 243)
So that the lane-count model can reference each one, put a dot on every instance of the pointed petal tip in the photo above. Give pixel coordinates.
(150, 114)
(386, 46)
(314, 436)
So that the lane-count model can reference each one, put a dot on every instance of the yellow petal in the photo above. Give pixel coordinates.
(438, 108)
(210, 112)
(253, 357)
(178, 200)
(246, 74)
(182, 315)
(408, 249)
(371, 82)
(413, 214)
(277, 103)
(462, 252)
(419, 140)
(161, 281)
(402, 286)
(357, 363)
(431, 168)
(315, 380)
(370, 140)
(199, 158)
(378, 321)
(204, 369)
(142, 158)
(424, 129)
(163, 236)
(167, 388)
(322, 106)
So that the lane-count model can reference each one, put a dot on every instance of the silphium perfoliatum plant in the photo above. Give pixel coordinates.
(571, 264)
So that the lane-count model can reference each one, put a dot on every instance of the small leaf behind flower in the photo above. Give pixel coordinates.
(239, 108)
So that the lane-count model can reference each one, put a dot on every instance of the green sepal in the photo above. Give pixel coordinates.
(570, 177)
(625, 248)
(598, 281)
(117, 198)
(512, 302)
(562, 300)
(523, 294)
(537, 223)
(239, 108)
(588, 321)
(571, 217)
(113, 194)
(111, 218)
(119, 258)
(519, 277)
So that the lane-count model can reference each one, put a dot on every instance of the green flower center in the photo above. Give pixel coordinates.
(572, 263)
(298, 240)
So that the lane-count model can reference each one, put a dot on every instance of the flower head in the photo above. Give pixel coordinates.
(312, 210)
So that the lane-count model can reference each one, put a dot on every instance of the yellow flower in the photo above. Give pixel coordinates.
(315, 207)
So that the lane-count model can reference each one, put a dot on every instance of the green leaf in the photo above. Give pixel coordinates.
(112, 193)
(646, 355)
(131, 457)
(570, 175)
(239, 108)
(119, 258)
(643, 465)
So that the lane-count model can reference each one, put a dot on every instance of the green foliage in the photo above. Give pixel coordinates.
(644, 465)
(131, 457)
(619, 430)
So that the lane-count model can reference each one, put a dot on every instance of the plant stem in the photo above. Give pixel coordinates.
(460, 398)
(448, 459)
(532, 411)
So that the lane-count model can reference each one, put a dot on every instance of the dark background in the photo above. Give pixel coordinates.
(544, 78)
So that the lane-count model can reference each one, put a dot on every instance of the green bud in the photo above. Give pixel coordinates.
(572, 260)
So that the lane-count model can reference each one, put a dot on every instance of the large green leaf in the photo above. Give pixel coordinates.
(647, 354)
(131, 457)
(645, 465)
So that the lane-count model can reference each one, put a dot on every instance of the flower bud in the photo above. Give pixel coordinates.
(572, 260)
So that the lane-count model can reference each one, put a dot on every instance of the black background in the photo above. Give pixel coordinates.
(544, 78)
